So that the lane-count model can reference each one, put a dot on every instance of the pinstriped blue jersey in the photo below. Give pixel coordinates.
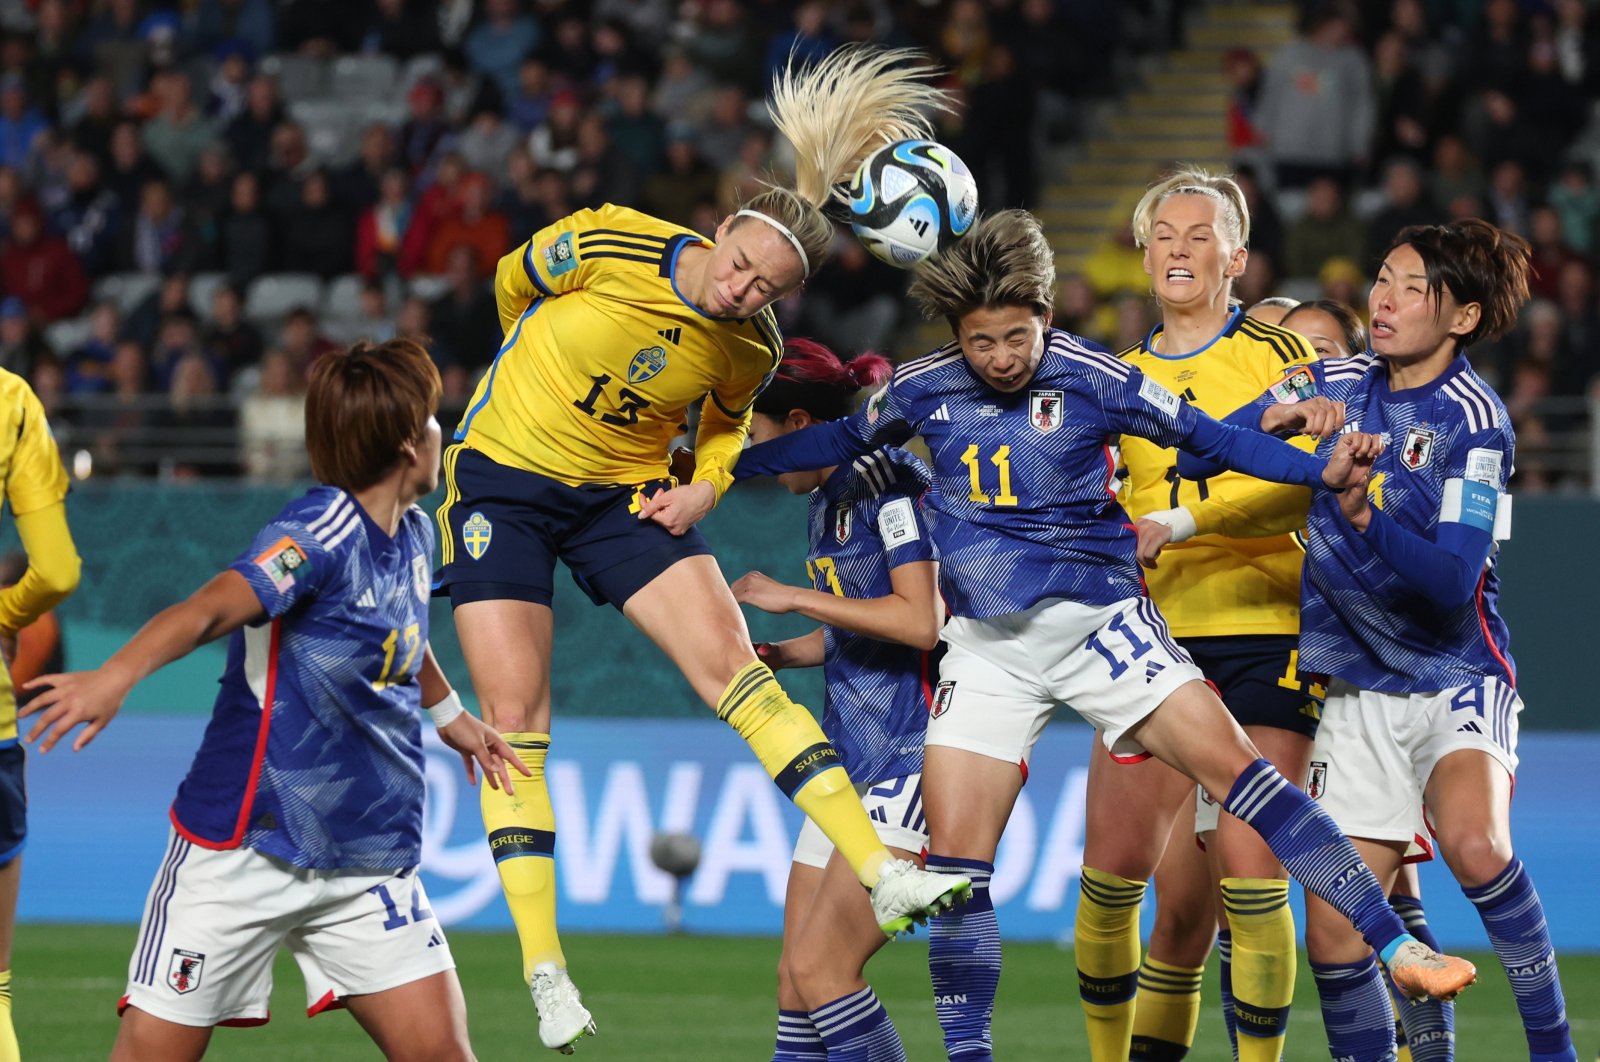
(314, 750)
(865, 521)
(1026, 505)
(1445, 442)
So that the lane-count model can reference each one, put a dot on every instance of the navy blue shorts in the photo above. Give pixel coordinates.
(1256, 676)
(13, 803)
(502, 529)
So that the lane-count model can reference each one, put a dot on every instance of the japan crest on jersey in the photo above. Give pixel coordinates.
(1317, 780)
(1417, 450)
(841, 524)
(183, 971)
(1044, 410)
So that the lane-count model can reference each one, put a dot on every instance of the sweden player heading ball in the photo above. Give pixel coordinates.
(615, 324)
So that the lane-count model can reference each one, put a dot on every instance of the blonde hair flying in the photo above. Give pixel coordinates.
(1233, 214)
(836, 113)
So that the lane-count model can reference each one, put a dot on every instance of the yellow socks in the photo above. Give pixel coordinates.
(798, 756)
(1106, 944)
(9, 1052)
(522, 838)
(1167, 1011)
(1263, 963)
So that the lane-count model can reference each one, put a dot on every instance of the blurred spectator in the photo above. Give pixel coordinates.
(206, 198)
(1577, 46)
(471, 222)
(230, 84)
(638, 132)
(39, 267)
(1507, 197)
(1550, 253)
(144, 319)
(1116, 266)
(317, 235)
(90, 216)
(1135, 317)
(215, 23)
(496, 45)
(1326, 231)
(687, 180)
(487, 140)
(230, 342)
(415, 321)
(49, 383)
(461, 89)
(20, 344)
(178, 133)
(725, 44)
(131, 169)
(1580, 357)
(603, 174)
(89, 366)
(1495, 52)
(529, 103)
(425, 124)
(747, 177)
(401, 29)
(158, 239)
(248, 238)
(466, 325)
(683, 90)
(1316, 109)
(1266, 225)
(272, 424)
(177, 338)
(320, 28)
(723, 135)
(301, 340)
(289, 163)
(1242, 68)
(20, 123)
(807, 42)
(1575, 198)
(356, 186)
(249, 134)
(196, 413)
(1259, 280)
(92, 116)
(382, 228)
(429, 210)
(374, 321)
(1404, 203)
(1343, 281)
(554, 144)
(1002, 145)
(1455, 172)
(120, 427)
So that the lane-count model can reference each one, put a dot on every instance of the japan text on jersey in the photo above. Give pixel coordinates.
(313, 753)
(1026, 504)
(1448, 454)
(865, 521)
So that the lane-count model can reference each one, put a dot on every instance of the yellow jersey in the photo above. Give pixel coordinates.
(604, 354)
(1211, 584)
(30, 467)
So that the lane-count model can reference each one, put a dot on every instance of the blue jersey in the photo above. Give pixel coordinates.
(314, 750)
(1448, 454)
(1026, 506)
(865, 521)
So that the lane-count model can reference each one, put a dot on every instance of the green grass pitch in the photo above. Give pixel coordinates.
(689, 999)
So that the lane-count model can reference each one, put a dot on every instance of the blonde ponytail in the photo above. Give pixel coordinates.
(836, 113)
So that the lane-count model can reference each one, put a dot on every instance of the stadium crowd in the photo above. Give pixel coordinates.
(198, 197)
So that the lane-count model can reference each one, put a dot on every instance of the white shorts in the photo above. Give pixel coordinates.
(1003, 677)
(214, 921)
(1375, 752)
(895, 808)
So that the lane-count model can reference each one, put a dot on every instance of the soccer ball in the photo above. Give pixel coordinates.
(911, 199)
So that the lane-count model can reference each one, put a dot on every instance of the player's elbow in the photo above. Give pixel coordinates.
(60, 580)
(924, 634)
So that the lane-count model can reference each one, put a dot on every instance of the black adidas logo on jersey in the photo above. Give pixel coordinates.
(1188, 394)
(671, 335)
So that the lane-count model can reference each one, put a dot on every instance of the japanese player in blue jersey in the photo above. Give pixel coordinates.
(1232, 603)
(299, 823)
(1400, 610)
(874, 588)
(36, 490)
(615, 324)
(1037, 566)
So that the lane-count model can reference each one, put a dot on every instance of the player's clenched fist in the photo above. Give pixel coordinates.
(1351, 460)
(1318, 417)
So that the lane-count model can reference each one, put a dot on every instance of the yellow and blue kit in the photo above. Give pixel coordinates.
(1234, 602)
(603, 356)
(36, 488)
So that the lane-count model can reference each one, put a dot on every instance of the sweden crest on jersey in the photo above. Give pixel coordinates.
(1044, 410)
(476, 533)
(1418, 448)
(647, 364)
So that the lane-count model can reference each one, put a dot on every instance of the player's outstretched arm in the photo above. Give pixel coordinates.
(93, 698)
(808, 650)
(479, 744)
(911, 615)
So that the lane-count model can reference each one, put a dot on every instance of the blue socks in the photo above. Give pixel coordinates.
(1225, 950)
(1429, 1024)
(1514, 917)
(856, 1028)
(1312, 849)
(1355, 1011)
(964, 963)
(798, 1039)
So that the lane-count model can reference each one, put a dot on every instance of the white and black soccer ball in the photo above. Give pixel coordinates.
(911, 199)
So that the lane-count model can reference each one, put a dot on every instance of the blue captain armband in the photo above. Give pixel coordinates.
(1470, 503)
